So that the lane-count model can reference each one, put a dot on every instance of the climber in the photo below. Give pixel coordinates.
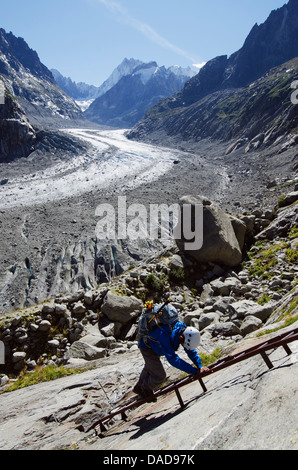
(164, 340)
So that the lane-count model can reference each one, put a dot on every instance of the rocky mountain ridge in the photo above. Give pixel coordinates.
(32, 85)
(251, 118)
(223, 80)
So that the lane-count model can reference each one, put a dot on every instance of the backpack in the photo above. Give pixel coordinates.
(150, 319)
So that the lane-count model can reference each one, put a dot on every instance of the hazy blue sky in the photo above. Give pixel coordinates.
(87, 39)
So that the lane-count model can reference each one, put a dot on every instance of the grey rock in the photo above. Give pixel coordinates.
(206, 319)
(225, 329)
(98, 340)
(227, 286)
(206, 295)
(88, 298)
(121, 309)
(54, 343)
(176, 262)
(244, 308)
(78, 308)
(82, 350)
(3, 379)
(44, 326)
(48, 308)
(18, 356)
(222, 304)
(189, 316)
(60, 309)
(285, 219)
(250, 324)
(220, 244)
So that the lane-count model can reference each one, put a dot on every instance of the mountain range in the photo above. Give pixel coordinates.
(83, 92)
(132, 88)
(236, 97)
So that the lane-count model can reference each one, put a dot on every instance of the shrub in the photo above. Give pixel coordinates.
(153, 283)
(177, 275)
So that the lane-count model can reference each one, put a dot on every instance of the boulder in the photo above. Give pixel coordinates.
(240, 229)
(289, 199)
(78, 308)
(250, 324)
(220, 244)
(206, 319)
(224, 329)
(18, 356)
(60, 309)
(221, 305)
(83, 350)
(244, 308)
(225, 287)
(48, 308)
(122, 309)
(98, 340)
(189, 316)
(176, 262)
(206, 295)
(44, 326)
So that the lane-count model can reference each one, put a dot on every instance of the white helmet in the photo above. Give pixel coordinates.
(192, 338)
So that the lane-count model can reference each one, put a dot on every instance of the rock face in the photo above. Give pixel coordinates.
(220, 244)
(17, 136)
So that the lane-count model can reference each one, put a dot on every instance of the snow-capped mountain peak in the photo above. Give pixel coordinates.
(124, 103)
(126, 67)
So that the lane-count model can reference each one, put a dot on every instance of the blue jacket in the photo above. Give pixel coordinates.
(165, 342)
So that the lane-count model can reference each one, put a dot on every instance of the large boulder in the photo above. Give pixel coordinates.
(120, 308)
(220, 243)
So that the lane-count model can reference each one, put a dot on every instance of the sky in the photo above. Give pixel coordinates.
(87, 39)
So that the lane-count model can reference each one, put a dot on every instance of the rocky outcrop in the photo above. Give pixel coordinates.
(17, 136)
(286, 218)
(235, 414)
